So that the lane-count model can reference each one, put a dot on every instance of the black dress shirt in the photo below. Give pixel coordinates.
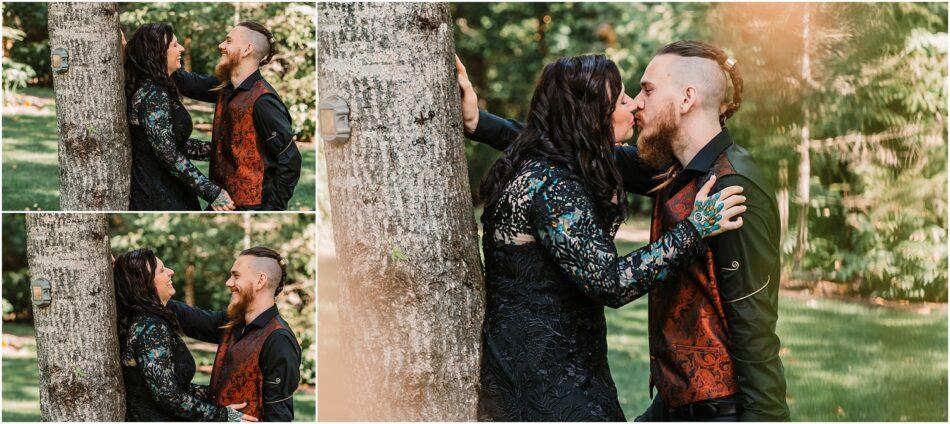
(273, 126)
(747, 260)
(279, 358)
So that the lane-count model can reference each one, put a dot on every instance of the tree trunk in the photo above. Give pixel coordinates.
(186, 61)
(412, 298)
(76, 343)
(190, 285)
(94, 150)
(804, 149)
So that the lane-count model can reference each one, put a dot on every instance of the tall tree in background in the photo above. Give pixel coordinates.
(94, 151)
(412, 295)
(76, 342)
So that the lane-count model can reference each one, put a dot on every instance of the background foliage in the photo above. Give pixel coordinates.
(200, 27)
(200, 248)
(865, 93)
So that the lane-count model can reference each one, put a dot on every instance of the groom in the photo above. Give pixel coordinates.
(258, 358)
(253, 155)
(713, 347)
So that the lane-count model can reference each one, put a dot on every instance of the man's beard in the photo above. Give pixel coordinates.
(224, 67)
(237, 309)
(656, 149)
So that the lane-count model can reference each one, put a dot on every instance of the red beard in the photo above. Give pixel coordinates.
(237, 309)
(224, 67)
(657, 149)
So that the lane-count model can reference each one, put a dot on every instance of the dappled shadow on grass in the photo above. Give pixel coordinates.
(30, 163)
(843, 361)
(21, 395)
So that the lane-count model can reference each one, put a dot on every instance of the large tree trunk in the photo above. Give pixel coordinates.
(94, 151)
(412, 297)
(76, 342)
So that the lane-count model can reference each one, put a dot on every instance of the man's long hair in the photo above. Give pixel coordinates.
(236, 311)
(146, 58)
(133, 274)
(271, 42)
(570, 124)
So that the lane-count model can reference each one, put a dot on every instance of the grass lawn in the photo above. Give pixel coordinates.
(31, 165)
(21, 395)
(844, 361)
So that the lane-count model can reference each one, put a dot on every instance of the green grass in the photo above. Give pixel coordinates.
(21, 394)
(843, 361)
(31, 165)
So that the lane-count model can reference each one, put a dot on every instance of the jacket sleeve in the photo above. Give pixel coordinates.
(157, 123)
(273, 126)
(280, 366)
(745, 261)
(563, 217)
(196, 86)
(199, 324)
(499, 133)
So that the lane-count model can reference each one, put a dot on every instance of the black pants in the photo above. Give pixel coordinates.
(658, 412)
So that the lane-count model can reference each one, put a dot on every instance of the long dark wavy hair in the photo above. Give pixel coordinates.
(134, 274)
(146, 58)
(569, 124)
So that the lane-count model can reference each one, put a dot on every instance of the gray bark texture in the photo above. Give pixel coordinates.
(94, 148)
(412, 297)
(76, 343)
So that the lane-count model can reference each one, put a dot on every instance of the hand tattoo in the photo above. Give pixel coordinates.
(705, 216)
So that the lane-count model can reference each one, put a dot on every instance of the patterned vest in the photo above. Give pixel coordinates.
(687, 325)
(236, 162)
(236, 376)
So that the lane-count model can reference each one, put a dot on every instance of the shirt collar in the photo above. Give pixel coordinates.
(249, 81)
(704, 160)
(263, 318)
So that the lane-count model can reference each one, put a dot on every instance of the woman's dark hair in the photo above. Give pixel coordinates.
(690, 48)
(134, 274)
(570, 124)
(146, 58)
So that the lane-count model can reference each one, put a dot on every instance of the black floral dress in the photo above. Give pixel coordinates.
(163, 177)
(157, 369)
(550, 268)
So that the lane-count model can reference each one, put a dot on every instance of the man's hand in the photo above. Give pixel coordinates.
(223, 202)
(469, 99)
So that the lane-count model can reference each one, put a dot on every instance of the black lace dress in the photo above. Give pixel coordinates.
(163, 177)
(550, 268)
(157, 369)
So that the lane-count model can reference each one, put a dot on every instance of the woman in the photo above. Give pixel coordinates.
(554, 201)
(156, 365)
(163, 177)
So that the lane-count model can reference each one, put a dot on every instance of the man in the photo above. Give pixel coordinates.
(713, 348)
(258, 357)
(253, 155)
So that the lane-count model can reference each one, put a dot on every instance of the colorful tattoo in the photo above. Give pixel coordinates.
(705, 215)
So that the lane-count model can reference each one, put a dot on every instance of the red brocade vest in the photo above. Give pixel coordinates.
(236, 162)
(236, 376)
(689, 361)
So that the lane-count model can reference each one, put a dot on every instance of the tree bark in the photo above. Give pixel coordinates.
(76, 343)
(412, 298)
(94, 150)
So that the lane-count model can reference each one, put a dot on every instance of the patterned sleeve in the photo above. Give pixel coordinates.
(563, 217)
(196, 149)
(152, 347)
(157, 121)
(200, 391)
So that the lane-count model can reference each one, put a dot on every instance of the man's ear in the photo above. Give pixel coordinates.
(261, 282)
(690, 98)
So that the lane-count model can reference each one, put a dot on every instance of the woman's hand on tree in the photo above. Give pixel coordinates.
(234, 413)
(469, 99)
(712, 215)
